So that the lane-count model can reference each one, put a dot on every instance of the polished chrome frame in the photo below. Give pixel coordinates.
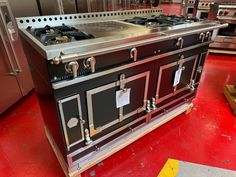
(147, 116)
(200, 59)
(64, 125)
(158, 99)
(127, 138)
(121, 117)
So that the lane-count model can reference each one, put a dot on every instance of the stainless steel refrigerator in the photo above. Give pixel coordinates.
(15, 77)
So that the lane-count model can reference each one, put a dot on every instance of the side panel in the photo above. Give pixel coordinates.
(45, 95)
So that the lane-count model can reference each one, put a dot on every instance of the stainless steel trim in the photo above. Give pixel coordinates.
(23, 22)
(105, 137)
(60, 105)
(90, 93)
(120, 129)
(102, 73)
(126, 139)
(170, 103)
(158, 99)
(222, 51)
(107, 44)
(200, 59)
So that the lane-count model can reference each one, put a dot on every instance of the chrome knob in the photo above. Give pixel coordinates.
(180, 42)
(91, 64)
(208, 35)
(72, 67)
(134, 54)
(202, 37)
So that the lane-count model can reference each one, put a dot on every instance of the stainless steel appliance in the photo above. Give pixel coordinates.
(15, 76)
(203, 8)
(225, 41)
(105, 79)
(188, 8)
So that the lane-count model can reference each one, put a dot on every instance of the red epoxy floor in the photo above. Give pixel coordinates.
(207, 135)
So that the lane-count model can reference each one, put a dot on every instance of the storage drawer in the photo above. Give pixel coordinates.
(114, 102)
(71, 120)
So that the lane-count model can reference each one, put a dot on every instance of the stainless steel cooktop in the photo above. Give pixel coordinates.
(110, 28)
(109, 32)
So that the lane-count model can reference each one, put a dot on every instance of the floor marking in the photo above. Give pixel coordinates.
(177, 168)
(170, 169)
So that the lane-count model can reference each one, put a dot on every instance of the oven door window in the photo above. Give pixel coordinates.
(190, 10)
(204, 15)
(112, 103)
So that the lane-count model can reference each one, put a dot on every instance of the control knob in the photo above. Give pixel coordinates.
(72, 67)
(91, 64)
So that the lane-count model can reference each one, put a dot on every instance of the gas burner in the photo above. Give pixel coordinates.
(59, 34)
(161, 21)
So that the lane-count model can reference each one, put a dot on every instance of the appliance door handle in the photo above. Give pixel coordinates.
(9, 29)
(13, 72)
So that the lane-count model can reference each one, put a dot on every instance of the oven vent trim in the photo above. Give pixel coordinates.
(39, 21)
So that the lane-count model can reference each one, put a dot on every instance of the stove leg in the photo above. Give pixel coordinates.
(189, 109)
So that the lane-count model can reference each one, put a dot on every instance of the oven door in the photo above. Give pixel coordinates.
(175, 77)
(114, 102)
(71, 120)
(202, 14)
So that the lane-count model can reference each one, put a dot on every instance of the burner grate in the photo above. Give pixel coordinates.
(59, 34)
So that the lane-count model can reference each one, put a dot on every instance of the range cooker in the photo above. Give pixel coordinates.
(225, 41)
(105, 79)
(203, 8)
(188, 7)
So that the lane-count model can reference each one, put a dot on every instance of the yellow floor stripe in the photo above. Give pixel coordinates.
(170, 169)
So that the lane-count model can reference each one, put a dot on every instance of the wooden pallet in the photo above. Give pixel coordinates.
(230, 94)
